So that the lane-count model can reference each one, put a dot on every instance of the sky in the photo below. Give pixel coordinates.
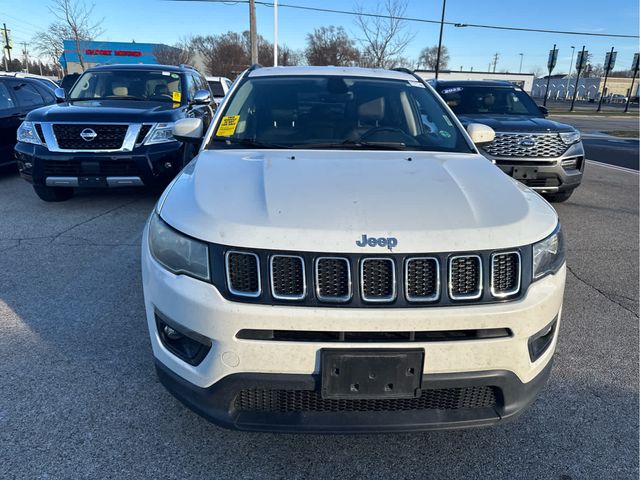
(166, 21)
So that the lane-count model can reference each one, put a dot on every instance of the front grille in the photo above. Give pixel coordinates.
(465, 277)
(517, 145)
(243, 273)
(422, 279)
(106, 168)
(378, 279)
(108, 136)
(333, 279)
(288, 277)
(299, 401)
(505, 274)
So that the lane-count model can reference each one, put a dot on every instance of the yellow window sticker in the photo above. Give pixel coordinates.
(176, 96)
(228, 126)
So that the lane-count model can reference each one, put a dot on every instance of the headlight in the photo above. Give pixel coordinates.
(570, 137)
(161, 133)
(27, 133)
(549, 254)
(176, 252)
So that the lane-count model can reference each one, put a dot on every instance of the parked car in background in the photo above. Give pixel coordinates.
(46, 81)
(219, 87)
(114, 129)
(340, 258)
(68, 81)
(545, 155)
(18, 96)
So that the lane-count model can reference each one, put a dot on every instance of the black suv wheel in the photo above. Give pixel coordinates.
(53, 194)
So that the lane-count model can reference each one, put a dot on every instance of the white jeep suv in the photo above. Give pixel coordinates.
(339, 257)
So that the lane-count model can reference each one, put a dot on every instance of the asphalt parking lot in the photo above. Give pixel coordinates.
(80, 399)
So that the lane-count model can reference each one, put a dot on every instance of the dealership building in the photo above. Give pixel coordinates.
(562, 87)
(97, 52)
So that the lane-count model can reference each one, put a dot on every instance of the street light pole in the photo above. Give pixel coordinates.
(634, 67)
(521, 57)
(253, 34)
(573, 50)
(275, 33)
(444, 6)
(580, 62)
(609, 62)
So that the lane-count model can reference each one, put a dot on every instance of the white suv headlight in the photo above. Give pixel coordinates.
(570, 137)
(548, 254)
(176, 252)
(27, 133)
(160, 133)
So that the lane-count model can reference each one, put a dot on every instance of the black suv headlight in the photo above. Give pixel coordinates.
(176, 252)
(27, 133)
(548, 254)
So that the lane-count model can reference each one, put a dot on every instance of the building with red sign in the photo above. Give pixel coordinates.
(99, 52)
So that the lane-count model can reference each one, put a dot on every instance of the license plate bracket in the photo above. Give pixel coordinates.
(92, 182)
(525, 173)
(371, 373)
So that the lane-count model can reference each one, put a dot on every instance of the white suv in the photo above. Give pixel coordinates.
(339, 257)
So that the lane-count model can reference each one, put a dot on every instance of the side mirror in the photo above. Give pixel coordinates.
(481, 134)
(202, 97)
(60, 95)
(544, 110)
(188, 130)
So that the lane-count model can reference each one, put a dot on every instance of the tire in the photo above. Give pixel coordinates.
(559, 197)
(53, 194)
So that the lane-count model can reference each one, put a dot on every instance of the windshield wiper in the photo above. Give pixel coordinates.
(356, 144)
(248, 142)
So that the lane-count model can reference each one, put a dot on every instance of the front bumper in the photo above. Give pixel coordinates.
(545, 175)
(149, 165)
(233, 364)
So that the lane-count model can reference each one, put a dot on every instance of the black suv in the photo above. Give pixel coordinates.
(18, 96)
(545, 155)
(113, 129)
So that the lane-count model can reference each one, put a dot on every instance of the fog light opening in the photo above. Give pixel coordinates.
(540, 342)
(168, 165)
(184, 344)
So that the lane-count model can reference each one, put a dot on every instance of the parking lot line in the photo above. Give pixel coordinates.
(613, 167)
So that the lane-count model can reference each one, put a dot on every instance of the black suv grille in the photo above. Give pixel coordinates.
(333, 279)
(298, 401)
(106, 168)
(108, 136)
(465, 280)
(422, 279)
(243, 274)
(378, 280)
(505, 273)
(287, 277)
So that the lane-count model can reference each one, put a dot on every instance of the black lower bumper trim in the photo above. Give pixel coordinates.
(218, 403)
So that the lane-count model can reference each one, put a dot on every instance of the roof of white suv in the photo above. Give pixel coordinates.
(337, 71)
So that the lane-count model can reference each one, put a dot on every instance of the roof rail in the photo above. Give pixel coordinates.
(410, 72)
(254, 67)
(184, 65)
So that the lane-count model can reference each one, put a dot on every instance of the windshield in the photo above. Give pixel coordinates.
(489, 101)
(155, 86)
(337, 112)
(216, 88)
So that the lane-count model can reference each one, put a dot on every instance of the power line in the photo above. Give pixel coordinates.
(415, 19)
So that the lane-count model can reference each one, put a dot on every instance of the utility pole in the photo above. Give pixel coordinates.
(635, 65)
(521, 57)
(7, 45)
(495, 61)
(551, 63)
(444, 6)
(253, 34)
(26, 57)
(581, 62)
(275, 33)
(573, 50)
(609, 63)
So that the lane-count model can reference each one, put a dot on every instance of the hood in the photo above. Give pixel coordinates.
(121, 111)
(324, 201)
(516, 123)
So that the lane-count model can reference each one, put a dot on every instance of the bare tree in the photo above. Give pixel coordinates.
(50, 42)
(384, 36)
(428, 58)
(180, 53)
(75, 18)
(331, 46)
(225, 54)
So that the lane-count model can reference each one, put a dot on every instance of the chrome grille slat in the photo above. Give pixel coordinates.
(465, 277)
(505, 274)
(243, 273)
(507, 145)
(378, 279)
(333, 279)
(288, 277)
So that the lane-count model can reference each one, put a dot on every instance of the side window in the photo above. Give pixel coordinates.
(202, 83)
(27, 95)
(47, 94)
(6, 100)
(191, 86)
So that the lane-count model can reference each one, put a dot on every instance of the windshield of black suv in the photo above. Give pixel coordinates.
(217, 90)
(147, 85)
(333, 112)
(490, 100)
